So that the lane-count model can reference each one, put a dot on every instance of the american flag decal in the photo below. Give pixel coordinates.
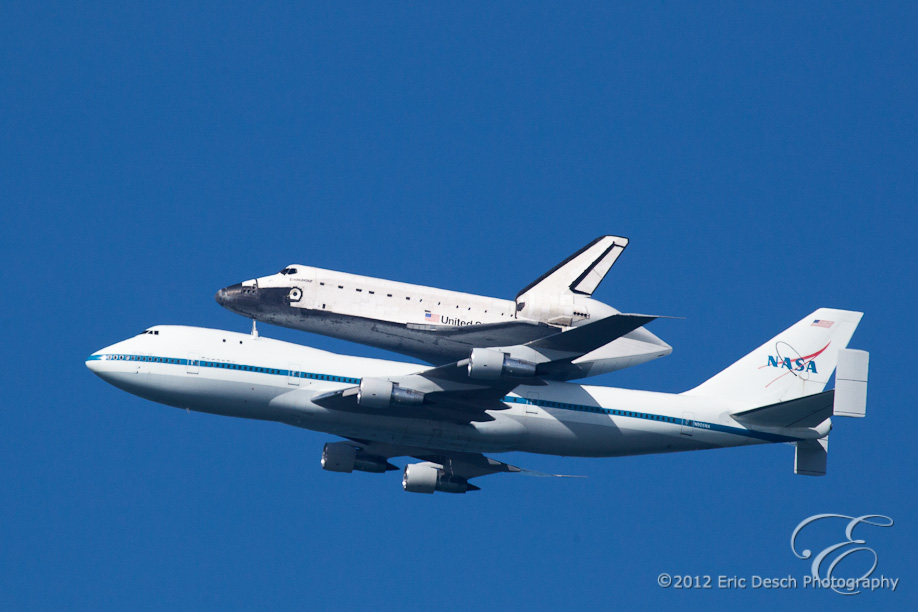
(433, 318)
(822, 323)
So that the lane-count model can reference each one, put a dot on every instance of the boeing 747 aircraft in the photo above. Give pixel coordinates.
(498, 399)
(440, 326)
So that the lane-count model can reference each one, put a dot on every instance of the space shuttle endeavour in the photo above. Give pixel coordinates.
(441, 326)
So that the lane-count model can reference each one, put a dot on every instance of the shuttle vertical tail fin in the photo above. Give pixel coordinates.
(582, 272)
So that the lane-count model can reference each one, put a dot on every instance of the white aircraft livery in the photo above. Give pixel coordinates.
(440, 326)
(498, 400)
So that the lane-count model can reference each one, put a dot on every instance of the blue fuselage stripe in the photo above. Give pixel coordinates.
(223, 365)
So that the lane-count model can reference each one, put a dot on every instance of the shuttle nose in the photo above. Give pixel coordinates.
(250, 300)
(227, 294)
(241, 298)
(231, 297)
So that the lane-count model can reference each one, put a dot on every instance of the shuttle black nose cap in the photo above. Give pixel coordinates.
(226, 295)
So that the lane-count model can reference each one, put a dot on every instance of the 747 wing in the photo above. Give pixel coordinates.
(464, 391)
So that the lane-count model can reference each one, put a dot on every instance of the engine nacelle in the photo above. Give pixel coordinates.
(426, 478)
(378, 393)
(342, 457)
(488, 364)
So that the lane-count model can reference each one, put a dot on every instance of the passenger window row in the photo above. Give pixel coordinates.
(144, 358)
(234, 366)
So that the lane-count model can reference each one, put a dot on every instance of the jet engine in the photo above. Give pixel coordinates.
(342, 457)
(489, 364)
(378, 393)
(427, 478)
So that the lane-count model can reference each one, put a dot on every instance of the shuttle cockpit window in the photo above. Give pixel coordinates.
(288, 271)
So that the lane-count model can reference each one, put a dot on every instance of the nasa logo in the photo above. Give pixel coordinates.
(796, 365)
(804, 363)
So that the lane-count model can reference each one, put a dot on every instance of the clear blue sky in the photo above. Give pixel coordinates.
(763, 161)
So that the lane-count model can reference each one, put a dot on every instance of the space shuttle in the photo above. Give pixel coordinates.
(441, 326)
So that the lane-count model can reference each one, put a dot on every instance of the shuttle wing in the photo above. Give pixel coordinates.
(550, 353)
